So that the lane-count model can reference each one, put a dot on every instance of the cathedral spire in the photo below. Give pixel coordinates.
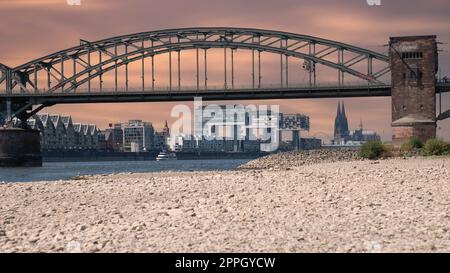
(344, 121)
(338, 115)
(341, 130)
(166, 129)
(338, 123)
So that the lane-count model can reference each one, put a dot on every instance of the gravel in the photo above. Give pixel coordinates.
(292, 159)
(394, 205)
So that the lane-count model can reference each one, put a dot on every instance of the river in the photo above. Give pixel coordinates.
(52, 171)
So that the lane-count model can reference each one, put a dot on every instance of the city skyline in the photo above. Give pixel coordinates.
(352, 22)
(354, 122)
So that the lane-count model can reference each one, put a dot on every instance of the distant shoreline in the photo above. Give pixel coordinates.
(148, 156)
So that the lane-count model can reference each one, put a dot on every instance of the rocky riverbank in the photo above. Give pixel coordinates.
(293, 159)
(357, 206)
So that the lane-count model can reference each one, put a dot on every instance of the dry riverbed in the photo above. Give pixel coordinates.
(354, 206)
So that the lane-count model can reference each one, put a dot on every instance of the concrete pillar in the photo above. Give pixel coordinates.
(20, 148)
(414, 64)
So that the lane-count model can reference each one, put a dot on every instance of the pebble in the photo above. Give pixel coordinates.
(328, 202)
(293, 159)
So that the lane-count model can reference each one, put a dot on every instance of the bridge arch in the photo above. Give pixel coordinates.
(113, 53)
(3, 69)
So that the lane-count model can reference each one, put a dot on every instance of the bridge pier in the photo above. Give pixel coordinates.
(20, 148)
(414, 66)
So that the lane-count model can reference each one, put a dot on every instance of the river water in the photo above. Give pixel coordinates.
(52, 171)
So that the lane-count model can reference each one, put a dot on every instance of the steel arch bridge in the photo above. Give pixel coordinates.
(68, 76)
(123, 50)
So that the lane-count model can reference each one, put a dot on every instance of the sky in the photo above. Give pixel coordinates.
(30, 29)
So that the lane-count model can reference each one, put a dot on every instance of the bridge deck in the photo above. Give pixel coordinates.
(443, 87)
(210, 95)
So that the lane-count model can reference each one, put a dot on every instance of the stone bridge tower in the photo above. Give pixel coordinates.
(414, 64)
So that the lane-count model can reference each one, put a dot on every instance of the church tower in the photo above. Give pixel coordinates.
(341, 130)
(337, 123)
(166, 130)
(345, 130)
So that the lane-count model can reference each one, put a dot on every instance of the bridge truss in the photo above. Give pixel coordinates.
(92, 60)
(77, 74)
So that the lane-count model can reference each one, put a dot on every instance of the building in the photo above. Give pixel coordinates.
(60, 132)
(93, 131)
(117, 135)
(363, 135)
(341, 131)
(132, 136)
(175, 143)
(79, 136)
(111, 139)
(49, 140)
(197, 145)
(294, 123)
(251, 144)
(220, 128)
(138, 136)
(36, 124)
(64, 132)
(106, 141)
(342, 134)
(85, 136)
(70, 132)
(215, 124)
(161, 139)
(238, 128)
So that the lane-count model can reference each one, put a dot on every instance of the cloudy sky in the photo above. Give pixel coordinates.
(32, 28)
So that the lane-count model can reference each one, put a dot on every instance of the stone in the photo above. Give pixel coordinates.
(20, 148)
(414, 66)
